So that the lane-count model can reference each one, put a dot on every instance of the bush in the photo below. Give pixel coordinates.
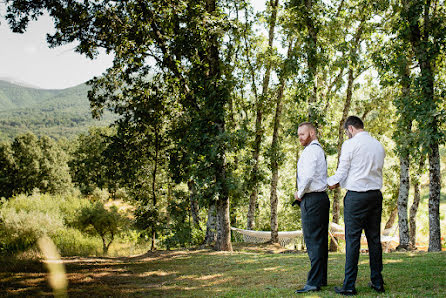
(20, 230)
(101, 195)
(72, 242)
(23, 219)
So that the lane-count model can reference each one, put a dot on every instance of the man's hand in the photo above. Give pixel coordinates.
(331, 187)
(296, 199)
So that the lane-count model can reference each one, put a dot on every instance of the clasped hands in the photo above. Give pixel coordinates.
(297, 200)
(331, 187)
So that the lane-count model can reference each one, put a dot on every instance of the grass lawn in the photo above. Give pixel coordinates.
(261, 271)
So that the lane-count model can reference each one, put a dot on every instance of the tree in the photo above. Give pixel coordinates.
(27, 155)
(7, 169)
(54, 171)
(30, 163)
(260, 102)
(183, 39)
(89, 165)
(423, 25)
(106, 223)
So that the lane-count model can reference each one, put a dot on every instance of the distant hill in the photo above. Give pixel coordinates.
(56, 113)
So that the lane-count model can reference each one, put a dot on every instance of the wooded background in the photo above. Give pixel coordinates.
(208, 96)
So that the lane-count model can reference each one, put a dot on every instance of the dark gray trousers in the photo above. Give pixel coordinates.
(315, 209)
(362, 211)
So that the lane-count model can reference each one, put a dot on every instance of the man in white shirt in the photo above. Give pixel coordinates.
(360, 172)
(315, 205)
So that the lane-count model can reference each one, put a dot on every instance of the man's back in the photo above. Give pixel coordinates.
(366, 159)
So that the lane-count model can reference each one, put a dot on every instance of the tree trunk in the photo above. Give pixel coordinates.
(402, 202)
(259, 118)
(223, 226)
(211, 225)
(337, 193)
(275, 167)
(420, 37)
(217, 101)
(275, 148)
(193, 203)
(153, 248)
(312, 60)
(415, 204)
(391, 219)
(434, 198)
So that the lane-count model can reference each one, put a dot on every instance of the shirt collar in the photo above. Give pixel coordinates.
(315, 141)
(361, 133)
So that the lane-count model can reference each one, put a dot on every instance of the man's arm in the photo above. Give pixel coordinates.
(307, 171)
(343, 167)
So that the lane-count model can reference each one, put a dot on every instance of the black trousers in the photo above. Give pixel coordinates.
(362, 211)
(315, 209)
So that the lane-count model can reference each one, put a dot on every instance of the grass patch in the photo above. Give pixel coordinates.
(246, 272)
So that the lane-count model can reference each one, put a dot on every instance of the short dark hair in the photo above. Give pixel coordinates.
(354, 121)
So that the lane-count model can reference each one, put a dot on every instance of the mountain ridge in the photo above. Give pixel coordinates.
(53, 112)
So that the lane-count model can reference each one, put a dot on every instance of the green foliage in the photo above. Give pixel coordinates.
(90, 168)
(180, 229)
(20, 230)
(30, 163)
(23, 219)
(73, 242)
(55, 113)
(96, 219)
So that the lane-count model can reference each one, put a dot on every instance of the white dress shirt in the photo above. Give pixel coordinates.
(360, 164)
(311, 170)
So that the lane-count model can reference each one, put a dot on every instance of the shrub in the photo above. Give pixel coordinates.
(19, 230)
(72, 242)
(101, 195)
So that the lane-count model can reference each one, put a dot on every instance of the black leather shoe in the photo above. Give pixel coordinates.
(379, 289)
(308, 288)
(345, 292)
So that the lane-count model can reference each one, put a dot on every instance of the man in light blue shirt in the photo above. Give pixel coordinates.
(360, 172)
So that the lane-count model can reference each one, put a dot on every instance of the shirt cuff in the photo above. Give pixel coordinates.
(331, 181)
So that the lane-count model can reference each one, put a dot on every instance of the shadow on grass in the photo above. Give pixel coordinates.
(209, 273)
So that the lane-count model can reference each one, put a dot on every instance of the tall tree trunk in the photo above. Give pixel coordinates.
(259, 118)
(405, 126)
(211, 225)
(402, 202)
(426, 55)
(434, 198)
(154, 173)
(312, 60)
(275, 148)
(275, 166)
(336, 213)
(415, 204)
(218, 99)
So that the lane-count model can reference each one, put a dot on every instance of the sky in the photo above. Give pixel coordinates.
(27, 59)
